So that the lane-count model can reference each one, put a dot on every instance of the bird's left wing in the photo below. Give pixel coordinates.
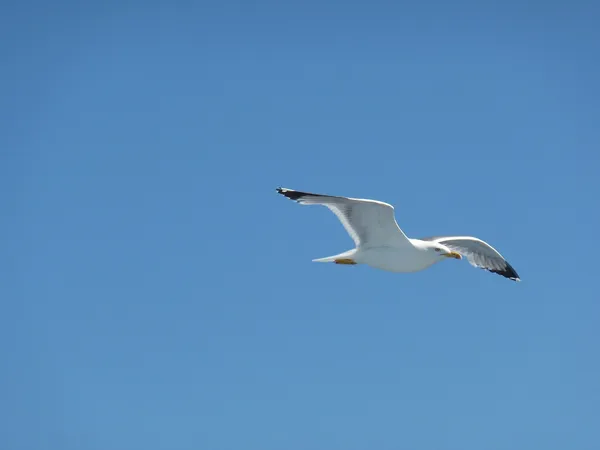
(369, 223)
(478, 253)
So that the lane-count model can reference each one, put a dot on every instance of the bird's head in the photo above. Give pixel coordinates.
(442, 251)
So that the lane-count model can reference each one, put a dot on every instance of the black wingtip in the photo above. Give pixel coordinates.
(508, 272)
(291, 194)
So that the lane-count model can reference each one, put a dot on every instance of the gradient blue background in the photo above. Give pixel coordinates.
(158, 294)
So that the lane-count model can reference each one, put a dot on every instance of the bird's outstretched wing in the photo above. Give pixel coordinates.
(478, 253)
(370, 223)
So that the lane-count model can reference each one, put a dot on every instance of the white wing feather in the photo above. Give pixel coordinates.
(369, 223)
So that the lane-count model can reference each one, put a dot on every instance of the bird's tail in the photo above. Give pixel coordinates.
(346, 255)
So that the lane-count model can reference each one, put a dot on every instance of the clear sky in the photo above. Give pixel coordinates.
(158, 294)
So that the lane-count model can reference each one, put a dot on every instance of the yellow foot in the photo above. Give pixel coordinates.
(345, 261)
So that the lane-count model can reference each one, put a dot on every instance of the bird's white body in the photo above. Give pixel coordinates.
(399, 258)
(380, 243)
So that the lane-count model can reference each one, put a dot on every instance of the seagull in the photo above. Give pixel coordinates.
(380, 243)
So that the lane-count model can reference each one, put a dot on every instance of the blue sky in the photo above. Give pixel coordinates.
(158, 294)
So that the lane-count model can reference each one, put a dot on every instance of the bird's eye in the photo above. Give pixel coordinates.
(437, 249)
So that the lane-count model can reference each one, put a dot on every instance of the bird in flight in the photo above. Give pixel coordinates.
(380, 243)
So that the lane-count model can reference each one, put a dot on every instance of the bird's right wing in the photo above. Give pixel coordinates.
(479, 253)
(370, 223)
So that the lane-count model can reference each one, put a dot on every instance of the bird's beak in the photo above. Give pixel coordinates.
(454, 255)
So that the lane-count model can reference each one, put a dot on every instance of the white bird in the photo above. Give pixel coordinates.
(380, 242)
